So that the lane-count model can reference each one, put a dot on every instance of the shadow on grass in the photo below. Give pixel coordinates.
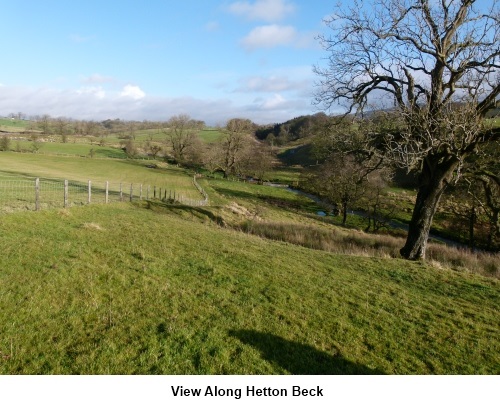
(298, 358)
(198, 212)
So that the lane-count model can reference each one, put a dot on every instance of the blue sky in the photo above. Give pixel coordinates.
(152, 59)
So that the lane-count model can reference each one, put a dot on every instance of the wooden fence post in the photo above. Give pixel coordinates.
(89, 192)
(65, 193)
(131, 192)
(37, 194)
(121, 193)
(107, 192)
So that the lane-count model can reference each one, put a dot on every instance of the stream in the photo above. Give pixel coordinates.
(393, 224)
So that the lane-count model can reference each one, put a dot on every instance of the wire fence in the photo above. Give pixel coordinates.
(38, 194)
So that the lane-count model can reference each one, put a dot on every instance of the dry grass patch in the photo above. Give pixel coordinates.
(357, 243)
(486, 264)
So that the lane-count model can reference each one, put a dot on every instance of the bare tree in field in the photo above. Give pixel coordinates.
(61, 125)
(45, 123)
(437, 63)
(153, 149)
(182, 132)
(234, 146)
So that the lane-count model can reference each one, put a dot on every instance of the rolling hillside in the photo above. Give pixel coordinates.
(157, 289)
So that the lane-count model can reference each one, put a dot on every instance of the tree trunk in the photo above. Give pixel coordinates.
(494, 234)
(344, 209)
(472, 222)
(433, 181)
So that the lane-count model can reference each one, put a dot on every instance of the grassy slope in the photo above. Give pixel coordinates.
(9, 125)
(16, 165)
(77, 149)
(127, 289)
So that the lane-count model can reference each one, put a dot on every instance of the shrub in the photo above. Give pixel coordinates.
(4, 143)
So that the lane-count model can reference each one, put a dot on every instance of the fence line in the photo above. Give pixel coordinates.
(38, 194)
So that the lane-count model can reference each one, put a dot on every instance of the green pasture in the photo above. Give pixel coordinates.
(8, 122)
(79, 149)
(30, 165)
(13, 125)
(210, 135)
(140, 137)
(154, 289)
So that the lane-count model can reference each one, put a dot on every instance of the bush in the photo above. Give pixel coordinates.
(4, 143)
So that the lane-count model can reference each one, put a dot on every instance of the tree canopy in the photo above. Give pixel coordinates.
(436, 66)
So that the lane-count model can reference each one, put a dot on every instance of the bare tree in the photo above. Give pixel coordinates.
(234, 146)
(153, 149)
(61, 125)
(260, 161)
(45, 123)
(436, 63)
(182, 132)
(341, 180)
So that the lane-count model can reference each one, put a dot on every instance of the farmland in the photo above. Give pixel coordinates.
(128, 289)
(255, 283)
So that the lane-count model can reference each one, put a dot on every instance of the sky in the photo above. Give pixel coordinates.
(153, 59)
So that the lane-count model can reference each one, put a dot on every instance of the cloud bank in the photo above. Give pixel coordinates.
(132, 103)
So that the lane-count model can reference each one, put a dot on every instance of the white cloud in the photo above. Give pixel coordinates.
(271, 84)
(265, 10)
(133, 92)
(270, 36)
(92, 103)
(96, 91)
(277, 101)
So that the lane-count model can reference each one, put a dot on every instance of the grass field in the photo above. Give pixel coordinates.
(29, 165)
(13, 125)
(256, 283)
(127, 289)
(79, 149)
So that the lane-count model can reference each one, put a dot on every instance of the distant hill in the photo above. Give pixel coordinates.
(291, 130)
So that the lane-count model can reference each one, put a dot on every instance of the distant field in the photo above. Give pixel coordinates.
(78, 149)
(30, 165)
(14, 123)
(10, 125)
(210, 135)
